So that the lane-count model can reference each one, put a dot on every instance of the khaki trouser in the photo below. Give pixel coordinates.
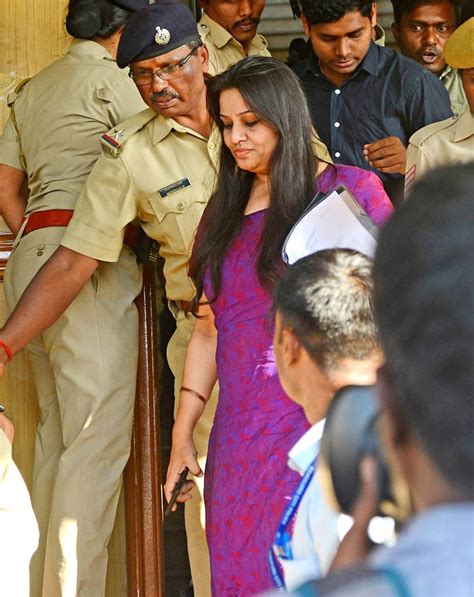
(84, 367)
(18, 526)
(194, 512)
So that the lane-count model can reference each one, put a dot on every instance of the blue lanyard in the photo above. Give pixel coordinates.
(282, 545)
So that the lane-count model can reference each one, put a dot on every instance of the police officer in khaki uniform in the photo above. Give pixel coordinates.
(84, 365)
(19, 536)
(229, 31)
(165, 166)
(450, 141)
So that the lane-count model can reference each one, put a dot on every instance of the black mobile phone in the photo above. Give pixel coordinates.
(176, 490)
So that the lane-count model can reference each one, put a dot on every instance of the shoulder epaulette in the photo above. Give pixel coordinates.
(431, 129)
(114, 139)
(13, 95)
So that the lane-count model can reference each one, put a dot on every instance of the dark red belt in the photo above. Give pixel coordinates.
(62, 217)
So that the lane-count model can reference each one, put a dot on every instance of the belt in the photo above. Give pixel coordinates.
(61, 217)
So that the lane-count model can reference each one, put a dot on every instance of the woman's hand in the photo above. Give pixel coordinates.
(200, 376)
(183, 454)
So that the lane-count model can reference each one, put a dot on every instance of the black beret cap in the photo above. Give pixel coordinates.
(156, 30)
(132, 5)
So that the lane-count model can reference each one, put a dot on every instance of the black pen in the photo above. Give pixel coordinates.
(176, 490)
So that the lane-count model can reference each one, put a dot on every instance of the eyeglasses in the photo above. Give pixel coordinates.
(146, 77)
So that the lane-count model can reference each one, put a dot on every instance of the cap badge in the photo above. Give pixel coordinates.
(162, 36)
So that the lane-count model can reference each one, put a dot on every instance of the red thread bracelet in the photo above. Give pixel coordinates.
(7, 349)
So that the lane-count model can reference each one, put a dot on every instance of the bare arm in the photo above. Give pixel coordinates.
(199, 375)
(12, 196)
(47, 296)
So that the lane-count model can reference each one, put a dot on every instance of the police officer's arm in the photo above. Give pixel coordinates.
(200, 375)
(127, 102)
(47, 296)
(422, 156)
(12, 196)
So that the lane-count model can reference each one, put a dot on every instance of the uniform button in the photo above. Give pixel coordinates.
(337, 124)
(337, 91)
(40, 251)
(337, 154)
(212, 145)
(180, 206)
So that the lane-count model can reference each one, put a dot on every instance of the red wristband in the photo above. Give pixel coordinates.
(7, 349)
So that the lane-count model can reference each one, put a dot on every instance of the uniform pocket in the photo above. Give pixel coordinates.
(179, 214)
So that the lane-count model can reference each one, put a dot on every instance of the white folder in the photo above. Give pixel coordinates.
(332, 220)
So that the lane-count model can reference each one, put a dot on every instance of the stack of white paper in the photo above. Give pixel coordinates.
(331, 221)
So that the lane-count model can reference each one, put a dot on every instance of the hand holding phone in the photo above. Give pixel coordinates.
(176, 491)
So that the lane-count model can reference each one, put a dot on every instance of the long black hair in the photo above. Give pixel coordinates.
(95, 19)
(273, 92)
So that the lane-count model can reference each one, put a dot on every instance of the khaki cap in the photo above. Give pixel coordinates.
(459, 49)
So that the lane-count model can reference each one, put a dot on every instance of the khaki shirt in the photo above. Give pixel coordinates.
(451, 79)
(379, 35)
(440, 144)
(163, 174)
(61, 114)
(224, 50)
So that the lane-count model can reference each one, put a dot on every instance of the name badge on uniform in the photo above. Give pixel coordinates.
(174, 187)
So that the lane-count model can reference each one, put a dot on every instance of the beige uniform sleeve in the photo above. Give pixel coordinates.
(211, 50)
(10, 146)
(127, 101)
(418, 163)
(105, 206)
(319, 148)
(213, 63)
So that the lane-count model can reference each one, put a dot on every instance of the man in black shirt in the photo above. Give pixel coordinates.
(366, 101)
